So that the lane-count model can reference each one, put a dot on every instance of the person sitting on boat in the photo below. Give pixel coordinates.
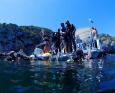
(46, 41)
(46, 49)
(40, 52)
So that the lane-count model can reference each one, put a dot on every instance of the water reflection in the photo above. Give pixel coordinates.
(54, 77)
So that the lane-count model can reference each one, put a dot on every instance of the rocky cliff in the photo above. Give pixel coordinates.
(14, 37)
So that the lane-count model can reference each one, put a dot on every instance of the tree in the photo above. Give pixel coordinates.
(105, 38)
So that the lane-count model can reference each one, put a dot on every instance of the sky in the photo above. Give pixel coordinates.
(50, 13)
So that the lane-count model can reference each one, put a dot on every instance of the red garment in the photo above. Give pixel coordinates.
(46, 49)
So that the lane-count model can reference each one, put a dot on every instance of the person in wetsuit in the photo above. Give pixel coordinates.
(71, 35)
(65, 37)
(56, 41)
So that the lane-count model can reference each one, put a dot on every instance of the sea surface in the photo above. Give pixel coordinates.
(89, 76)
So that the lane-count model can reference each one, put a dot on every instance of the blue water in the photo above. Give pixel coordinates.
(91, 76)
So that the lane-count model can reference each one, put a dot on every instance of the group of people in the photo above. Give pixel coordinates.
(64, 38)
(64, 41)
(61, 41)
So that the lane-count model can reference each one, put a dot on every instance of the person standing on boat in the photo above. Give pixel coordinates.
(64, 37)
(71, 34)
(58, 42)
(94, 37)
(53, 48)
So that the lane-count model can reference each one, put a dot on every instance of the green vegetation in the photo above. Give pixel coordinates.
(34, 30)
(14, 37)
(105, 38)
(113, 39)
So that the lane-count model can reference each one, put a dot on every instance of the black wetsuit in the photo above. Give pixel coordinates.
(71, 35)
(58, 42)
(66, 39)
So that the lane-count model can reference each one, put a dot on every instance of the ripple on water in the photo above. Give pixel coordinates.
(57, 77)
